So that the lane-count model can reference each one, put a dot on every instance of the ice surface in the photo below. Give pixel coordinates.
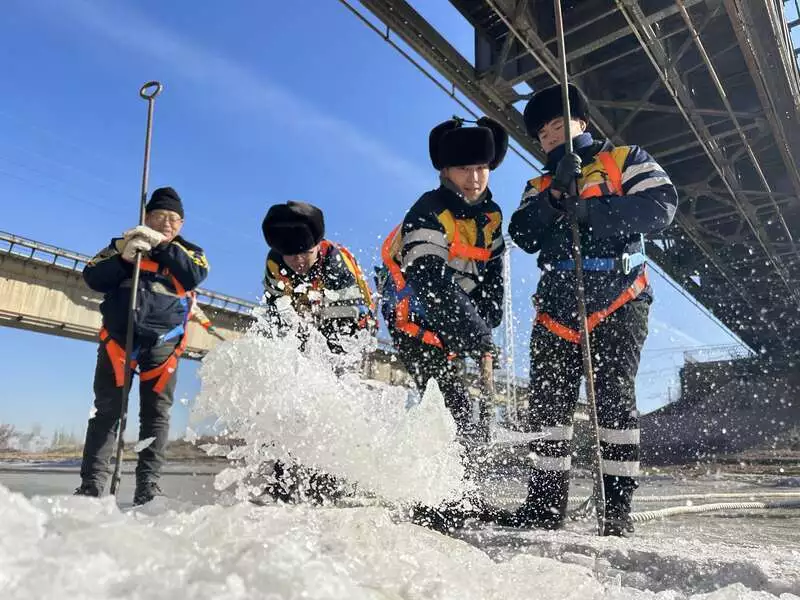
(85, 548)
(311, 408)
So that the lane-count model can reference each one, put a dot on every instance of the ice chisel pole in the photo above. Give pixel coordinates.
(580, 296)
(148, 92)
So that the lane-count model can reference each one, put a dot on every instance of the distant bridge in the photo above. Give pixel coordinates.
(42, 290)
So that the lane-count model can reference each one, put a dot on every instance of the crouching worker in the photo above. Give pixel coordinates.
(322, 281)
(443, 285)
(171, 267)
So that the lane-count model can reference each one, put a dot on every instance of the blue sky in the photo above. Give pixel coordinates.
(264, 102)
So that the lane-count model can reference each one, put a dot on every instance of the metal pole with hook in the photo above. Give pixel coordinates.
(148, 92)
(580, 292)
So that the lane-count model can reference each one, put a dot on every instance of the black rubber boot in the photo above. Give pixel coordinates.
(619, 496)
(546, 504)
(88, 488)
(145, 492)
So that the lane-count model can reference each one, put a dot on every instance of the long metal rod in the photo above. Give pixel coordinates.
(726, 102)
(549, 63)
(150, 96)
(580, 292)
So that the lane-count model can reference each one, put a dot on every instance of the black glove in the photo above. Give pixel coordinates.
(567, 172)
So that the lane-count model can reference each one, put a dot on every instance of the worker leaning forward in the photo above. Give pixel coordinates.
(322, 282)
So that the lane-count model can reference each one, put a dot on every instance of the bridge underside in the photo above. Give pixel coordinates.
(710, 88)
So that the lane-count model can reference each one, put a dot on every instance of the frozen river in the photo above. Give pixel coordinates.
(199, 544)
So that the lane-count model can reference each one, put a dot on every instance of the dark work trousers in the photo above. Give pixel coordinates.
(153, 418)
(423, 362)
(556, 376)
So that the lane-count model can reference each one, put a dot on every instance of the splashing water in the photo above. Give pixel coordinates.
(307, 407)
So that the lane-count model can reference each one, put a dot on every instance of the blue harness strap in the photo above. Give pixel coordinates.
(172, 333)
(626, 264)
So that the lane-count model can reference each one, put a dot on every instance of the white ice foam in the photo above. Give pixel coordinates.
(306, 407)
(73, 547)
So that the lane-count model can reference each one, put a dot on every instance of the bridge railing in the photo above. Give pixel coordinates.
(717, 353)
(74, 261)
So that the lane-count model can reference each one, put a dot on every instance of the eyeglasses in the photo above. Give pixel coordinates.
(162, 217)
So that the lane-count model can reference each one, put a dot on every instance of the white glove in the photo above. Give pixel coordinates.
(153, 237)
(134, 245)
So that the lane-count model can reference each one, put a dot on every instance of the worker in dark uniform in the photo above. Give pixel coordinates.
(442, 289)
(623, 195)
(322, 282)
(320, 279)
(442, 279)
(171, 268)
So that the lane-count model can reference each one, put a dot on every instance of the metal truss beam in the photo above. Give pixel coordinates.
(527, 35)
(418, 34)
(675, 60)
(718, 136)
(739, 13)
(666, 108)
(599, 43)
(633, 13)
(695, 35)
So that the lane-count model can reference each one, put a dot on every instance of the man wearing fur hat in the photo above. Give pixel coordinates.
(443, 284)
(324, 284)
(171, 267)
(622, 195)
(321, 279)
(442, 280)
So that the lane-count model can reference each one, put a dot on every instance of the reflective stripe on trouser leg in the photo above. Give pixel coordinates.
(620, 451)
(617, 343)
(555, 379)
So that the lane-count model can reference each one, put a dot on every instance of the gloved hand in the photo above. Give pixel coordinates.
(567, 172)
(153, 237)
(486, 347)
(134, 245)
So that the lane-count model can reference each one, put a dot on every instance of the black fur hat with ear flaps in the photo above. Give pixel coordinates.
(548, 104)
(293, 228)
(452, 145)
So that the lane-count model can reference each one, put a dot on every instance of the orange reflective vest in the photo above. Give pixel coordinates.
(163, 372)
(402, 311)
(610, 185)
(318, 282)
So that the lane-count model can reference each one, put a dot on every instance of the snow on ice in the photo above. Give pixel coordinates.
(303, 406)
(71, 547)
